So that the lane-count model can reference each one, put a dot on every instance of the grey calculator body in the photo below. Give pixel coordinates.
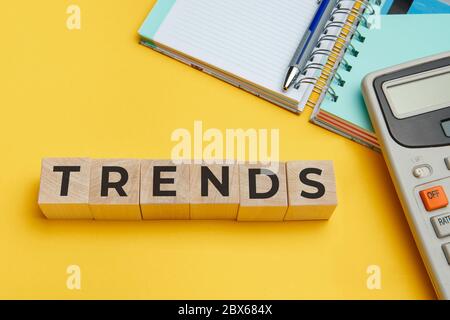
(409, 105)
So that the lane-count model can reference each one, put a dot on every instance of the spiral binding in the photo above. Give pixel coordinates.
(358, 16)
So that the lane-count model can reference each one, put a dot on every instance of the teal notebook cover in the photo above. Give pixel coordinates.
(154, 19)
(398, 39)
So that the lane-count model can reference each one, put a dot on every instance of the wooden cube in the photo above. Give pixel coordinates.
(263, 194)
(312, 190)
(164, 190)
(114, 192)
(214, 191)
(64, 188)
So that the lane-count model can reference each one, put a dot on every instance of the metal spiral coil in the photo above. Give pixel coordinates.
(329, 72)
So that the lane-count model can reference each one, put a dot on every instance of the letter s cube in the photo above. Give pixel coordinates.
(311, 190)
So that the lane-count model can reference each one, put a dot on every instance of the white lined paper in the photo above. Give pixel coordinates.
(252, 39)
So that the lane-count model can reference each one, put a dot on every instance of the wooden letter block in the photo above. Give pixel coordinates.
(64, 188)
(164, 190)
(312, 190)
(263, 192)
(214, 191)
(114, 192)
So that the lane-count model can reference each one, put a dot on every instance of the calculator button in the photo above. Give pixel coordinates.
(447, 162)
(421, 172)
(433, 198)
(446, 248)
(441, 225)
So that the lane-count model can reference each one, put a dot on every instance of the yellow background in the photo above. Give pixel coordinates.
(96, 92)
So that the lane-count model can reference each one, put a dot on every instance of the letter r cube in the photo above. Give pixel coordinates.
(114, 191)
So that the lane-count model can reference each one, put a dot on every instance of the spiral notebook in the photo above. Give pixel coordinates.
(246, 43)
(396, 39)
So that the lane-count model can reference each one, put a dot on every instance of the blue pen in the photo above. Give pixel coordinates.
(299, 56)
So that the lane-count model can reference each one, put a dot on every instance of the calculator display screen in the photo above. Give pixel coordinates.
(419, 93)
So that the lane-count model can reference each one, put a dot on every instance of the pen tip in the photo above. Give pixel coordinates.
(291, 76)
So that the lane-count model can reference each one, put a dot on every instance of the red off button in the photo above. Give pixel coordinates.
(434, 198)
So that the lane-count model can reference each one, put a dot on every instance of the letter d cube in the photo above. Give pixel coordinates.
(263, 195)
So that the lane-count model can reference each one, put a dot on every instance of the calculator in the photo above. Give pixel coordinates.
(409, 105)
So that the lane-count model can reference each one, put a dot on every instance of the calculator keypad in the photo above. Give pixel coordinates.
(435, 203)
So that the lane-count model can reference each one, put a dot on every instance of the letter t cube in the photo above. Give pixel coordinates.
(64, 188)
